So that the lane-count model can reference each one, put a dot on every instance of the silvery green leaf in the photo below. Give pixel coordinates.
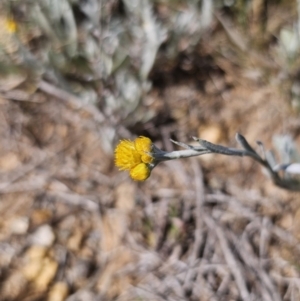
(130, 90)
(57, 59)
(133, 6)
(154, 38)
(206, 13)
(106, 65)
(88, 96)
(92, 10)
(289, 41)
(90, 50)
(40, 19)
(286, 148)
(69, 29)
(184, 30)
(114, 37)
(63, 28)
(119, 58)
(111, 103)
(51, 8)
(293, 168)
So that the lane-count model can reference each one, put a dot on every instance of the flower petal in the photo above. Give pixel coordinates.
(144, 145)
(141, 172)
(126, 156)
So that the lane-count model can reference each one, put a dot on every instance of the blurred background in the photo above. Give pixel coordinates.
(78, 75)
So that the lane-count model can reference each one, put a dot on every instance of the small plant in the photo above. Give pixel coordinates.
(141, 156)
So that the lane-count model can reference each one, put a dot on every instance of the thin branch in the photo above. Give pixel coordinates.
(246, 151)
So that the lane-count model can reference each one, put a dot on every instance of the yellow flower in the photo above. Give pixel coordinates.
(8, 28)
(141, 172)
(11, 25)
(135, 156)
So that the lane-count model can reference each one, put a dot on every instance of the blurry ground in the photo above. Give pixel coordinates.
(208, 228)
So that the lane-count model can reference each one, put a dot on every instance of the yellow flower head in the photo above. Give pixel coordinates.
(141, 172)
(135, 156)
(11, 25)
